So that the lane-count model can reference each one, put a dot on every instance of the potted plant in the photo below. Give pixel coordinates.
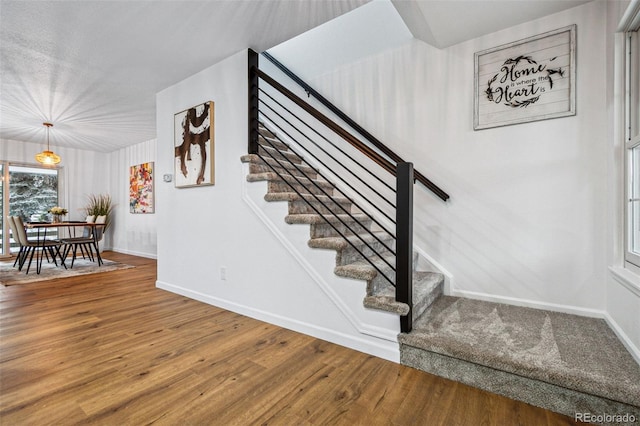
(99, 205)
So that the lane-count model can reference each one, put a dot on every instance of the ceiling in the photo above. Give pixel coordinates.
(93, 68)
(443, 23)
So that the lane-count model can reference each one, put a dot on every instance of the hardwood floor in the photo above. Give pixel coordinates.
(112, 349)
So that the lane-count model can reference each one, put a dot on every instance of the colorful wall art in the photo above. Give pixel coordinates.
(141, 199)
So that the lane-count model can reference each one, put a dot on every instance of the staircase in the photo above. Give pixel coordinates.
(330, 216)
(540, 357)
(565, 363)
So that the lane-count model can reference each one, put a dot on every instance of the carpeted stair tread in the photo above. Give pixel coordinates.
(573, 352)
(272, 176)
(293, 169)
(280, 156)
(363, 270)
(339, 243)
(386, 303)
(292, 196)
(317, 219)
(427, 286)
(272, 142)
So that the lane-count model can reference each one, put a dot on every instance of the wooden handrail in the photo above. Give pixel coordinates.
(344, 117)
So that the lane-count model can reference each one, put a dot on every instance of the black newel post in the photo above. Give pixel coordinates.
(404, 241)
(253, 102)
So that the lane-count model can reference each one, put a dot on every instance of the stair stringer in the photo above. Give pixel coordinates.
(378, 329)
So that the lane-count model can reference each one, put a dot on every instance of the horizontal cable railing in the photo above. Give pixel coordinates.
(355, 230)
(280, 123)
(350, 171)
(359, 129)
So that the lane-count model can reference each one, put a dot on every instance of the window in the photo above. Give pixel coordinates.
(632, 136)
(27, 191)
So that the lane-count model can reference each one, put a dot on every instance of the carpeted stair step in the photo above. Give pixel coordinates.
(272, 142)
(263, 130)
(427, 287)
(285, 182)
(302, 204)
(282, 157)
(367, 244)
(332, 225)
(364, 270)
(259, 165)
(565, 363)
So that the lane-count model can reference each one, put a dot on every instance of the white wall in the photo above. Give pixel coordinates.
(134, 234)
(527, 215)
(202, 230)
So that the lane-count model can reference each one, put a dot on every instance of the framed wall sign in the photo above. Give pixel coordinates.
(141, 198)
(527, 80)
(194, 146)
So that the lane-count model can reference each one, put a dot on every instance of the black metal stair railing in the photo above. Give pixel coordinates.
(356, 230)
(355, 126)
(304, 132)
(329, 155)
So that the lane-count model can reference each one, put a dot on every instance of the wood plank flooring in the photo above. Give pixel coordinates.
(111, 349)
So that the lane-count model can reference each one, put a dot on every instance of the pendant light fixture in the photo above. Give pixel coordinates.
(48, 157)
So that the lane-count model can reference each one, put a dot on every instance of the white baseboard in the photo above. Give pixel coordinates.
(626, 341)
(135, 253)
(378, 347)
(567, 309)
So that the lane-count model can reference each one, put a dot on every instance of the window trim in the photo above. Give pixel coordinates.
(632, 141)
(630, 26)
(5, 181)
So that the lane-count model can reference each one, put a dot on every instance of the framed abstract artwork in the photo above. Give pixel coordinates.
(194, 146)
(527, 80)
(141, 197)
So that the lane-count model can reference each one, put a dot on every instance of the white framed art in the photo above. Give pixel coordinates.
(527, 80)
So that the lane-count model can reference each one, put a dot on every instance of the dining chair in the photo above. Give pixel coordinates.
(14, 232)
(80, 242)
(33, 246)
(87, 232)
(89, 240)
(101, 223)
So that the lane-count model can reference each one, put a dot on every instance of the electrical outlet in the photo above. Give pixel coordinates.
(223, 273)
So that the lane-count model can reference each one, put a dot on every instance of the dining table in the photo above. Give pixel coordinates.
(43, 227)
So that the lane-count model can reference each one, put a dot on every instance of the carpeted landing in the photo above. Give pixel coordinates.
(565, 363)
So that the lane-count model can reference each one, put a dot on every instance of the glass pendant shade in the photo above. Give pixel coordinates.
(48, 157)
